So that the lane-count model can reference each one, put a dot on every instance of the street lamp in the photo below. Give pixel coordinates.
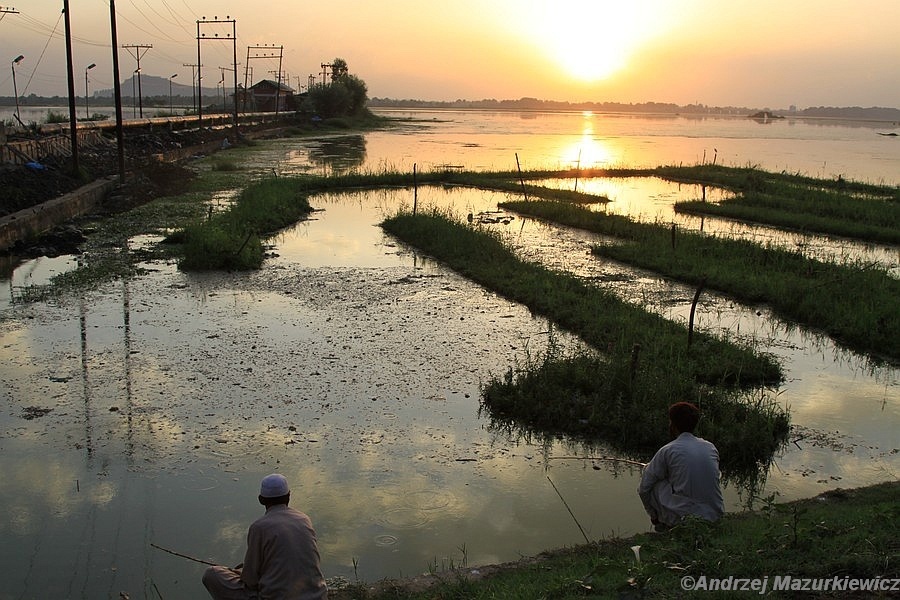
(170, 90)
(133, 95)
(87, 114)
(16, 61)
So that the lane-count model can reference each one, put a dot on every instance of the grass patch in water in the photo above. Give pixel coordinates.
(593, 397)
(645, 365)
(856, 306)
(232, 239)
(837, 536)
(833, 207)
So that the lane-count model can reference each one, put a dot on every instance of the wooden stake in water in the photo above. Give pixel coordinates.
(521, 178)
(415, 190)
(577, 170)
(693, 310)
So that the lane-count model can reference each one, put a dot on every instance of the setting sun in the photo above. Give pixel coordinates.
(592, 40)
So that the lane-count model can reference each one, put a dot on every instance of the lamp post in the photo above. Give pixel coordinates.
(170, 90)
(133, 93)
(87, 114)
(16, 61)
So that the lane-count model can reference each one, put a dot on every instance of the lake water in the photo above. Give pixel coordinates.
(148, 411)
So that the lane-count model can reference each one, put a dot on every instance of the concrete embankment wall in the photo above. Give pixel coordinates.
(34, 221)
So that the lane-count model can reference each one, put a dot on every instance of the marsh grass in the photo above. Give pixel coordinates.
(835, 207)
(856, 306)
(845, 533)
(233, 239)
(620, 394)
(591, 397)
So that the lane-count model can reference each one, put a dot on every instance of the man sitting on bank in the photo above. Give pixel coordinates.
(683, 476)
(282, 559)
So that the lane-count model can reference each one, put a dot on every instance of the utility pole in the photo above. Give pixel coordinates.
(227, 36)
(193, 79)
(325, 67)
(266, 52)
(137, 51)
(70, 76)
(117, 86)
(222, 81)
(8, 10)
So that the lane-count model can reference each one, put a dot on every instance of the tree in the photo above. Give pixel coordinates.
(346, 95)
(339, 69)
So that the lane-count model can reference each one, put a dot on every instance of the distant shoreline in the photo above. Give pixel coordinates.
(855, 113)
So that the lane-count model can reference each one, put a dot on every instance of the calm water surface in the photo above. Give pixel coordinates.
(147, 412)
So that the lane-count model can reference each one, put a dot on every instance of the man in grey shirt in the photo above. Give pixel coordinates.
(683, 476)
(282, 559)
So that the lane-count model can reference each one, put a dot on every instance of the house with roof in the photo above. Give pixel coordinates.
(270, 96)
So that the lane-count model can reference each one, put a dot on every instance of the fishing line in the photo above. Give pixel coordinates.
(580, 528)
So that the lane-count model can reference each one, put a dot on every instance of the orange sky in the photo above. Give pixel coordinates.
(759, 53)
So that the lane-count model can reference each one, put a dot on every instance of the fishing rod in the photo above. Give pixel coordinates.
(636, 463)
(179, 554)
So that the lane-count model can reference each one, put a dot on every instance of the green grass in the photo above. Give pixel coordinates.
(840, 534)
(232, 240)
(856, 306)
(833, 207)
(620, 395)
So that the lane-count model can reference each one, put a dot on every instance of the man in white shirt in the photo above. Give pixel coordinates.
(282, 558)
(683, 477)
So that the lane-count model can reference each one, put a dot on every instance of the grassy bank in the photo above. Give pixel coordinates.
(618, 396)
(839, 536)
(856, 306)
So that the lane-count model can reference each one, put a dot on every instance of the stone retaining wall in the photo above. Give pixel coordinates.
(34, 221)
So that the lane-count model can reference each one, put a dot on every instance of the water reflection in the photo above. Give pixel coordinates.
(337, 155)
(354, 364)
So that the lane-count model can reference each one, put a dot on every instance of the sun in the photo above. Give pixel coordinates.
(587, 59)
(592, 39)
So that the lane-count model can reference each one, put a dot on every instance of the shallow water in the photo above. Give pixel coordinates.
(148, 411)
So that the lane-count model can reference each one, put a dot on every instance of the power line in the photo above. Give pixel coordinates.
(41, 57)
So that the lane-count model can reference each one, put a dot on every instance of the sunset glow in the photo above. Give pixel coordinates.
(764, 53)
(591, 40)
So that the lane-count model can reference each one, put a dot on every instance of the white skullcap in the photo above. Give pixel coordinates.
(273, 486)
